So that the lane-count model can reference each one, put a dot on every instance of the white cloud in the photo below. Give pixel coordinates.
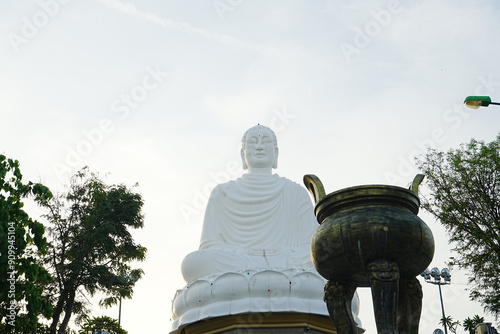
(187, 27)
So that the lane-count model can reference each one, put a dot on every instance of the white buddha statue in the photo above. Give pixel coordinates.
(254, 252)
(259, 221)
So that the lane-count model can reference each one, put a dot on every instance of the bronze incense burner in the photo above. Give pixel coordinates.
(371, 236)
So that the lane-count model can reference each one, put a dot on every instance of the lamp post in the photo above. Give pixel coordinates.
(129, 281)
(474, 102)
(120, 312)
(437, 275)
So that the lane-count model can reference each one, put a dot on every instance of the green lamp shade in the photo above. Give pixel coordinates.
(474, 102)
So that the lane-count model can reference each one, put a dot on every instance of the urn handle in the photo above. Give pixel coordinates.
(315, 186)
(416, 182)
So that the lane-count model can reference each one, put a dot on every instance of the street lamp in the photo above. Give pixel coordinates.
(474, 102)
(436, 280)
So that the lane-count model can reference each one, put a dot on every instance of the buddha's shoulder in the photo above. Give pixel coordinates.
(222, 188)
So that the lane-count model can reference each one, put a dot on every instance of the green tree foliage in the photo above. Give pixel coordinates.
(470, 324)
(450, 323)
(22, 277)
(102, 324)
(122, 291)
(465, 186)
(91, 244)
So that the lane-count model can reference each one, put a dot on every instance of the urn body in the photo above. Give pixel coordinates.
(363, 224)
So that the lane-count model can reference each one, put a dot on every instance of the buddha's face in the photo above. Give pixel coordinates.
(260, 150)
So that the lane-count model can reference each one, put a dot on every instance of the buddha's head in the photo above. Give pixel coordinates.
(259, 148)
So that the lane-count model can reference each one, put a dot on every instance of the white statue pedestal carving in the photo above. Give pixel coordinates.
(251, 294)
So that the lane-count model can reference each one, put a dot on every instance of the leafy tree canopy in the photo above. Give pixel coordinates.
(450, 323)
(91, 244)
(465, 186)
(102, 324)
(22, 241)
(470, 324)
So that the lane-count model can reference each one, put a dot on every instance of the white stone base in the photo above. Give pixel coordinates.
(251, 291)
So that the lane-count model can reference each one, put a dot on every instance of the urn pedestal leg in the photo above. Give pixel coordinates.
(409, 305)
(338, 297)
(384, 281)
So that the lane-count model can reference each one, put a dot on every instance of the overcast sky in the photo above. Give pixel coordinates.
(160, 93)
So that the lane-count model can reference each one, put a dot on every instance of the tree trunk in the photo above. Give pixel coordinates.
(57, 311)
(68, 311)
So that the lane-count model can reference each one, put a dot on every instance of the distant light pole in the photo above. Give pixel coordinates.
(474, 102)
(437, 275)
(120, 312)
(129, 281)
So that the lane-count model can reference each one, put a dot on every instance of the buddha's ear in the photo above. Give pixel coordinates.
(275, 162)
(242, 153)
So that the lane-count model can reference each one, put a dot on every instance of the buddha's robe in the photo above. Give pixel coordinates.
(255, 222)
